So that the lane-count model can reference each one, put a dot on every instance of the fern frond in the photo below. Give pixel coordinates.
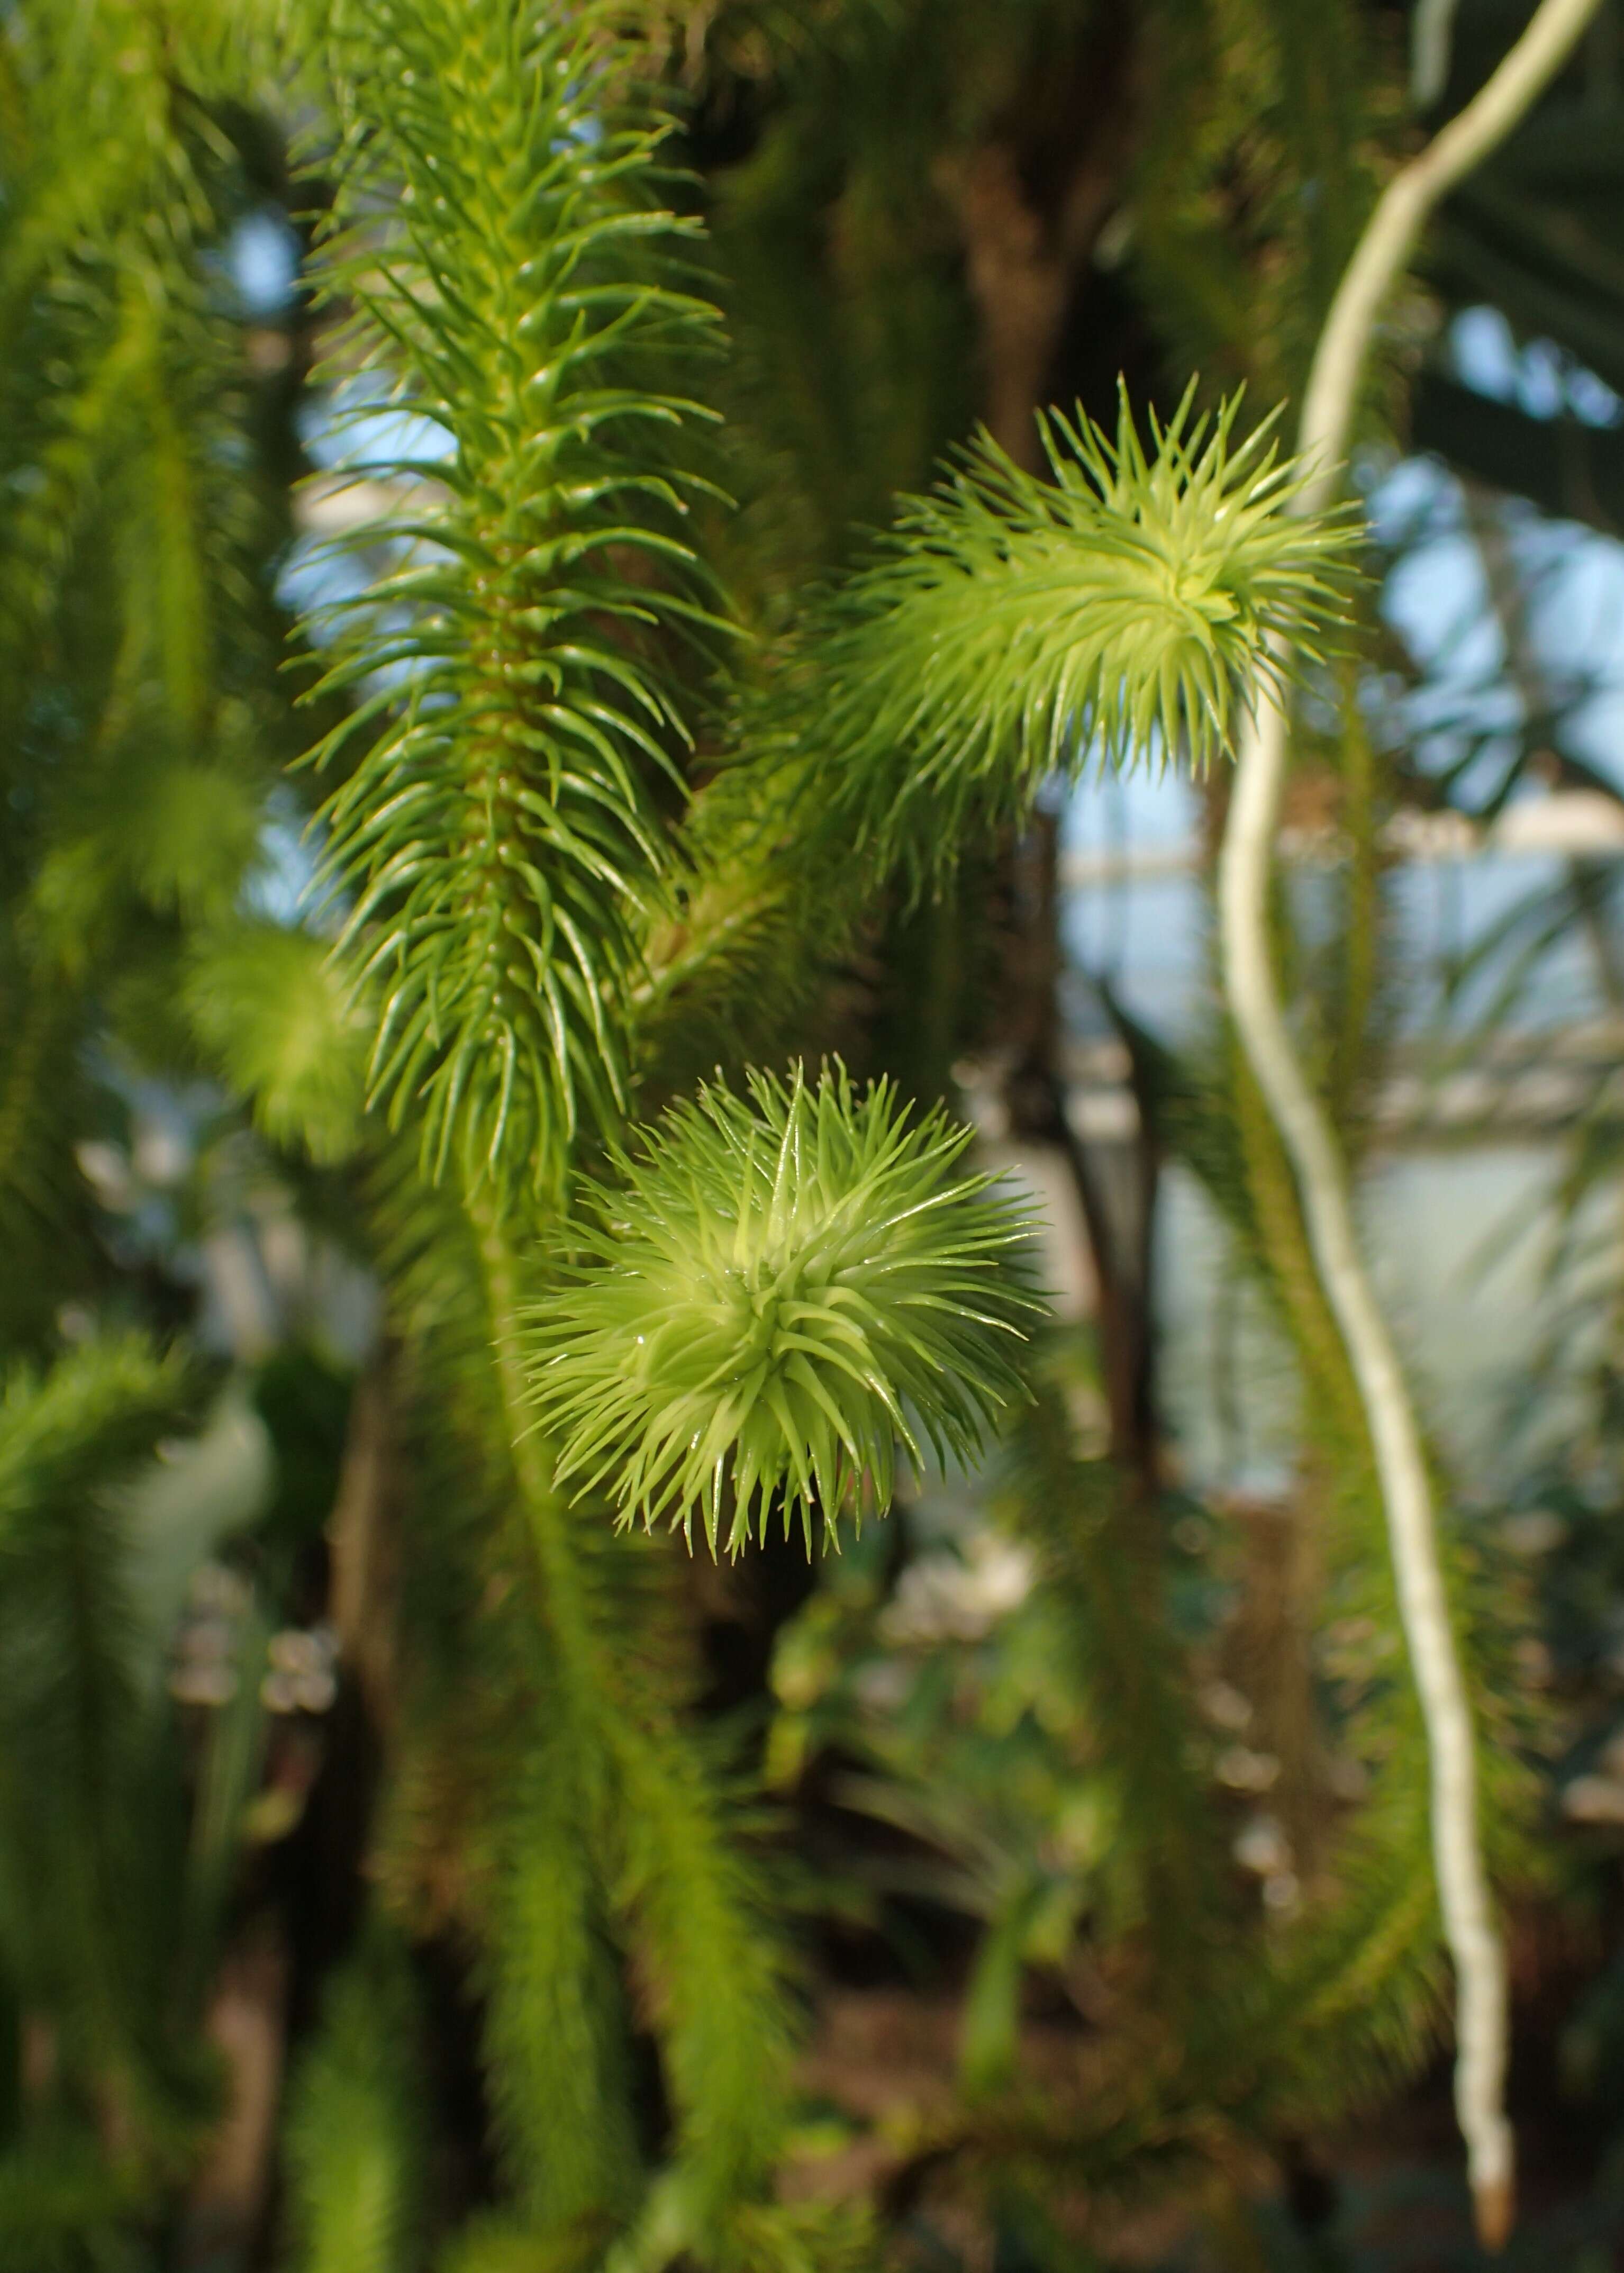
(775, 1295)
(45, 1228)
(76, 1875)
(1350, 2003)
(275, 1013)
(123, 471)
(1009, 629)
(67, 1435)
(1075, 1512)
(1356, 2001)
(137, 638)
(353, 2137)
(63, 2208)
(807, 2237)
(708, 1947)
(764, 922)
(556, 2041)
(604, 1845)
(502, 833)
(498, 2244)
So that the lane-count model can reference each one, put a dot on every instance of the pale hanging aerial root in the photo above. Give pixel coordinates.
(1305, 1128)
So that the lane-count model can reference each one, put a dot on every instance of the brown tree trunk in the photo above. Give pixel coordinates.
(1031, 203)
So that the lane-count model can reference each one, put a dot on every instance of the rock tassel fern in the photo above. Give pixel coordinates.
(777, 1293)
(1010, 627)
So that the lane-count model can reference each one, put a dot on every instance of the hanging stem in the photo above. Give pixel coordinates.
(563, 1592)
(1310, 1141)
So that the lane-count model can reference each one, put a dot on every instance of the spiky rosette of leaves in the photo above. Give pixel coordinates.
(778, 1291)
(1009, 627)
(518, 294)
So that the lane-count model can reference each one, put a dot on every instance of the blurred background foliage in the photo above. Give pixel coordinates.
(1088, 1789)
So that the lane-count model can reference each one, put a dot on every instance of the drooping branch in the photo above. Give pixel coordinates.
(1307, 1132)
(501, 840)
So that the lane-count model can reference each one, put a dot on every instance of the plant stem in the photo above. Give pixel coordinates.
(1310, 1141)
(1402, 211)
(564, 1604)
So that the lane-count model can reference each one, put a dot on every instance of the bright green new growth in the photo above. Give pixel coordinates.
(272, 1011)
(354, 2141)
(516, 290)
(66, 1435)
(775, 1295)
(1012, 627)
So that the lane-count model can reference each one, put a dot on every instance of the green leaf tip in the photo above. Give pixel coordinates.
(779, 1291)
(1010, 626)
(272, 1008)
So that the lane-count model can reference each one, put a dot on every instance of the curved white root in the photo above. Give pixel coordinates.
(1305, 1129)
